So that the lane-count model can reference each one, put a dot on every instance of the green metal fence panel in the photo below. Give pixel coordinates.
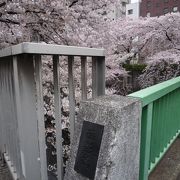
(160, 123)
(155, 92)
(146, 129)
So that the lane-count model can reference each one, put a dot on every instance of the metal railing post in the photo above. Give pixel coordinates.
(57, 101)
(71, 95)
(98, 76)
(40, 115)
(27, 116)
(84, 77)
(18, 107)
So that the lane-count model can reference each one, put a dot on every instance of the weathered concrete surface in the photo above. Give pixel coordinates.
(119, 152)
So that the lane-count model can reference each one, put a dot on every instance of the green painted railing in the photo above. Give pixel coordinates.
(160, 123)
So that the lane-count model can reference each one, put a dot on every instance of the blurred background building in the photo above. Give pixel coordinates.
(152, 8)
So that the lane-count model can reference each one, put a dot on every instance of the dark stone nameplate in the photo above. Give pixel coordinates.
(88, 150)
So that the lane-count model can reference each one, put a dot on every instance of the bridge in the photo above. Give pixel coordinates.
(22, 129)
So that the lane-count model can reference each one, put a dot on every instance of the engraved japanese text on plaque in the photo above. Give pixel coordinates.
(88, 150)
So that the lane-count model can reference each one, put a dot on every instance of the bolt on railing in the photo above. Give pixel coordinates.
(22, 129)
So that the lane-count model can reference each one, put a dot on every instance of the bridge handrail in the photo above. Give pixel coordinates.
(49, 49)
(155, 92)
(21, 101)
(160, 122)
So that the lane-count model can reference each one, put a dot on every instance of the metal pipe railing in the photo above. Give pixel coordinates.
(160, 124)
(22, 130)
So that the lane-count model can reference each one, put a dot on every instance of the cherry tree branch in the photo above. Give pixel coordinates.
(10, 21)
(2, 4)
(73, 3)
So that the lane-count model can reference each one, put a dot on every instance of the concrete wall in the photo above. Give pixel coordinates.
(120, 147)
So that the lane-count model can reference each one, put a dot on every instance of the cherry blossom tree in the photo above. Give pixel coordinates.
(29, 20)
(154, 41)
(87, 23)
(53, 21)
(145, 36)
(161, 67)
(142, 40)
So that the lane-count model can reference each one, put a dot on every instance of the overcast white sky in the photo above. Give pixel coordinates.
(133, 1)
